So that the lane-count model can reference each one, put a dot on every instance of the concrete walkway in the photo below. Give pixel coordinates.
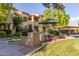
(13, 49)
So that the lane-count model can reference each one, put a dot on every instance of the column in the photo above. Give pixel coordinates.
(32, 22)
(27, 22)
(11, 26)
(32, 18)
(69, 31)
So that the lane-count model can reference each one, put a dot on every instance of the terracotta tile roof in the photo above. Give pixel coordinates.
(14, 9)
(25, 13)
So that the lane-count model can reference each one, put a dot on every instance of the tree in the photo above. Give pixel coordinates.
(2, 17)
(61, 17)
(78, 23)
(57, 12)
(54, 5)
(17, 20)
(66, 19)
(5, 9)
(47, 13)
(58, 6)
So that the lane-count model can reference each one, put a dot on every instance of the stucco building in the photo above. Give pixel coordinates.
(29, 20)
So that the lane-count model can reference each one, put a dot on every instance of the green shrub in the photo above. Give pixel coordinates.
(55, 32)
(8, 32)
(66, 31)
(72, 31)
(2, 34)
(17, 34)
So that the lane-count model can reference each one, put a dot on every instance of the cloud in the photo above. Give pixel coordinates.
(74, 21)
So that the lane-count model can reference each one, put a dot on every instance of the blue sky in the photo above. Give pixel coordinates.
(71, 8)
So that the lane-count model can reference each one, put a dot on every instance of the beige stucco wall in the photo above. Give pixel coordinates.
(33, 39)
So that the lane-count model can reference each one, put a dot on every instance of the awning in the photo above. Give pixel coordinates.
(48, 21)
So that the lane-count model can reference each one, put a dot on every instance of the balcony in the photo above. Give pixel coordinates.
(32, 22)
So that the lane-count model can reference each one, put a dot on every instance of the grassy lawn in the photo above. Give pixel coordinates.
(61, 48)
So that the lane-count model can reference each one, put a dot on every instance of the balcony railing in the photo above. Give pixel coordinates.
(32, 22)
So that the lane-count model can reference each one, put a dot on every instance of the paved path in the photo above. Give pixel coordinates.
(11, 49)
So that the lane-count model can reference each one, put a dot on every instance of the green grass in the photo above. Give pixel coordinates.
(61, 48)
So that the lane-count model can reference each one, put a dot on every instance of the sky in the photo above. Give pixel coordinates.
(71, 8)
